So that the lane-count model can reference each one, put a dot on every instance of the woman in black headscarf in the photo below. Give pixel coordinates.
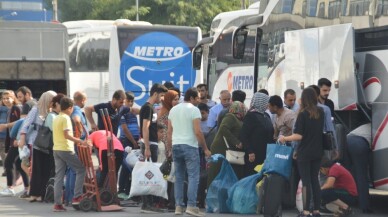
(256, 132)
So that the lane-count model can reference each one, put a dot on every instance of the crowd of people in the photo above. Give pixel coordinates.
(186, 129)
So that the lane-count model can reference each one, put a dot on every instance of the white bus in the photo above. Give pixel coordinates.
(222, 70)
(359, 94)
(33, 54)
(109, 55)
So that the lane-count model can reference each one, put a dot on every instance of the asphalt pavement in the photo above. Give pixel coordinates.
(15, 207)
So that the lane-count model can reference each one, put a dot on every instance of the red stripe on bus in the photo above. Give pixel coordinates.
(379, 131)
(370, 81)
(381, 182)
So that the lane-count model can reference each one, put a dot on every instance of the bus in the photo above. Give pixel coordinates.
(220, 67)
(278, 21)
(34, 54)
(130, 55)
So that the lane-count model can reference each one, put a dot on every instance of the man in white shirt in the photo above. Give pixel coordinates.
(184, 135)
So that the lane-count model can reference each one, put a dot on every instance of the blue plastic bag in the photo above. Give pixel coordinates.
(242, 196)
(217, 193)
(278, 160)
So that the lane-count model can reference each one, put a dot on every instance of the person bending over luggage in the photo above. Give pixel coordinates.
(339, 188)
(99, 140)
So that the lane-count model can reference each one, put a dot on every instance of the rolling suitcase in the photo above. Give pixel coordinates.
(271, 194)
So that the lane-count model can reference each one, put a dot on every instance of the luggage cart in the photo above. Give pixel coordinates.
(93, 197)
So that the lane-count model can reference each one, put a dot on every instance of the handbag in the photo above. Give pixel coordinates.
(328, 140)
(165, 168)
(44, 138)
(233, 156)
(278, 160)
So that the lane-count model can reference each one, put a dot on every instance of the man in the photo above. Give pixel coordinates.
(24, 95)
(285, 118)
(204, 95)
(215, 110)
(149, 133)
(290, 100)
(237, 95)
(325, 87)
(113, 110)
(184, 134)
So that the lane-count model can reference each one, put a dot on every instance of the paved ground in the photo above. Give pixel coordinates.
(15, 207)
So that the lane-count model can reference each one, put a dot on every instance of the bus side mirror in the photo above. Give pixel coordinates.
(197, 57)
(239, 39)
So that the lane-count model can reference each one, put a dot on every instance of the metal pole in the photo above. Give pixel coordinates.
(137, 10)
(243, 4)
(55, 10)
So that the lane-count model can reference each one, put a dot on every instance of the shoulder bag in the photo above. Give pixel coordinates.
(44, 138)
(233, 156)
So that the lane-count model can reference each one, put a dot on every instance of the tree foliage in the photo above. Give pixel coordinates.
(171, 12)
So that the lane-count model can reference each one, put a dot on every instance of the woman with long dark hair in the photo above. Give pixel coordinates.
(308, 130)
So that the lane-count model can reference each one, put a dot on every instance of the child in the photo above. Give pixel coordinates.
(204, 109)
(65, 156)
(339, 189)
(161, 145)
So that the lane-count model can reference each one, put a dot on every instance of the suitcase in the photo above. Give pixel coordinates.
(271, 194)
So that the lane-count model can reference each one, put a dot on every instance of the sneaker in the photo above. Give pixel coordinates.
(7, 192)
(194, 211)
(147, 210)
(301, 214)
(178, 210)
(122, 196)
(59, 208)
(325, 211)
(76, 200)
(316, 214)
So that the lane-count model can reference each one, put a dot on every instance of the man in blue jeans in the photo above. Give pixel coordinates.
(184, 134)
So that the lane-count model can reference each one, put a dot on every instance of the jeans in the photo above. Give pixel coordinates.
(186, 158)
(358, 152)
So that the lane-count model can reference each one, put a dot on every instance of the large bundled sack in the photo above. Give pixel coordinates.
(148, 180)
(243, 197)
(217, 193)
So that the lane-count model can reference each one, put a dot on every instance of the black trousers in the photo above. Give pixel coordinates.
(308, 171)
(43, 168)
(13, 159)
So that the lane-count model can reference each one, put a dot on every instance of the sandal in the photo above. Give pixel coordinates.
(346, 212)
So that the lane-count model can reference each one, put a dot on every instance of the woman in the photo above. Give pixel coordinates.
(308, 130)
(41, 166)
(3, 133)
(257, 131)
(10, 100)
(171, 99)
(230, 129)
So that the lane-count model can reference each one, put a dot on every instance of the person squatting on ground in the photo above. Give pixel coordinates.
(64, 155)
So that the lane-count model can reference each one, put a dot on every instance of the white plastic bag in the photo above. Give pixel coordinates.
(148, 180)
(299, 200)
(171, 177)
(133, 157)
(24, 152)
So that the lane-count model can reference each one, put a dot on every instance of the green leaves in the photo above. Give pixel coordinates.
(171, 12)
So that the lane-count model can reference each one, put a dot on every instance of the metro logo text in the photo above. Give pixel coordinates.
(146, 51)
(243, 82)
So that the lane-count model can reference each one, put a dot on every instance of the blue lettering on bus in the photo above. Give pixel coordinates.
(243, 82)
(156, 57)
